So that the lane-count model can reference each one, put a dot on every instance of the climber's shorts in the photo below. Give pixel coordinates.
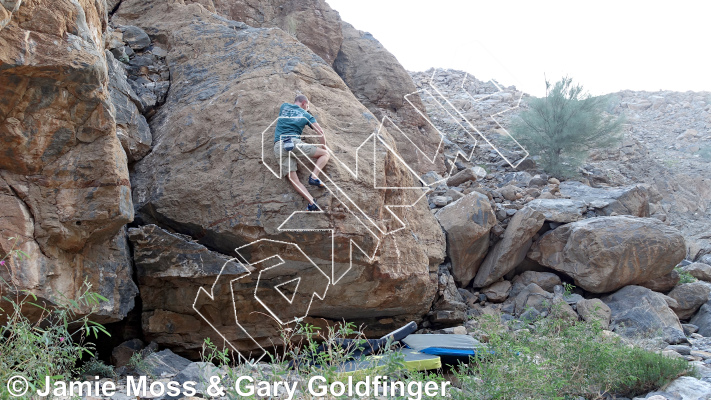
(287, 163)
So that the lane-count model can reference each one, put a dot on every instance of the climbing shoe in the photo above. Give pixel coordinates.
(316, 182)
(313, 207)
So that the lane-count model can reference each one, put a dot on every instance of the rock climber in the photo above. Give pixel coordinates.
(287, 136)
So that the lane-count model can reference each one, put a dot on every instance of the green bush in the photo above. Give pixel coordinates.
(310, 339)
(684, 277)
(562, 361)
(53, 342)
(306, 351)
(564, 126)
(96, 367)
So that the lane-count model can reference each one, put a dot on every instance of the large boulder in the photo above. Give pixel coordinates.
(60, 151)
(604, 254)
(369, 70)
(512, 248)
(638, 312)
(64, 188)
(466, 223)
(689, 296)
(628, 200)
(702, 319)
(206, 178)
(594, 311)
(52, 274)
(559, 210)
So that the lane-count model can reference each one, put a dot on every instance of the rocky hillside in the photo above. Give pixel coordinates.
(666, 146)
(516, 237)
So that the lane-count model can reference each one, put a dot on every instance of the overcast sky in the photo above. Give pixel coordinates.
(606, 46)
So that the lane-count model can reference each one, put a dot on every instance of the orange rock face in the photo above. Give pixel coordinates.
(64, 175)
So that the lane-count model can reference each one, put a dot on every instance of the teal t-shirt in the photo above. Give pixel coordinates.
(292, 120)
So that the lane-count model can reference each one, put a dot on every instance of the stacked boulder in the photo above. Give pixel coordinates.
(602, 242)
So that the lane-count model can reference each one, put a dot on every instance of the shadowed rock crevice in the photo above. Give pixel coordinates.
(224, 243)
(113, 6)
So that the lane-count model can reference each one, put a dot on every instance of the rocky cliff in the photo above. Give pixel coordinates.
(184, 96)
(64, 180)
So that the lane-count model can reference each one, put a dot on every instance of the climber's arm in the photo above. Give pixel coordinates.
(318, 130)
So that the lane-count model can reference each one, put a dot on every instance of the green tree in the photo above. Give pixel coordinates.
(565, 125)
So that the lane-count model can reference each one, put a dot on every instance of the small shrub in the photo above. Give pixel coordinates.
(312, 351)
(561, 361)
(96, 367)
(564, 126)
(684, 277)
(51, 344)
(568, 289)
(138, 363)
(211, 353)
